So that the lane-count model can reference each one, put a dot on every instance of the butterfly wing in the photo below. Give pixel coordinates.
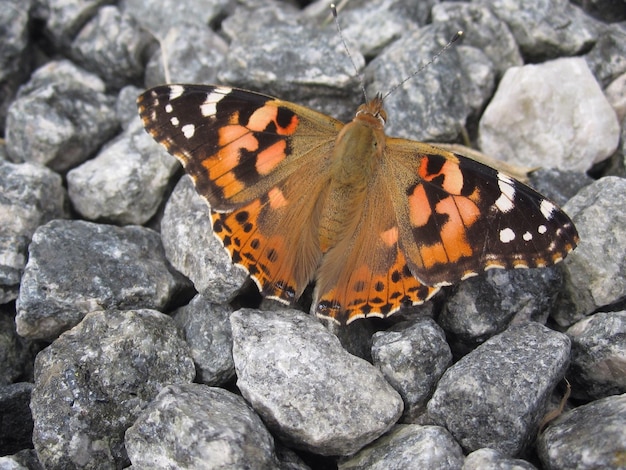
(458, 217)
(256, 160)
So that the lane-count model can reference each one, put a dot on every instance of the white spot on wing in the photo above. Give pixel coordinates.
(174, 121)
(188, 130)
(168, 108)
(542, 229)
(527, 236)
(176, 91)
(547, 209)
(507, 235)
(505, 202)
(209, 107)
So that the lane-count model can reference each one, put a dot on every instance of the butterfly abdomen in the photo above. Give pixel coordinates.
(354, 160)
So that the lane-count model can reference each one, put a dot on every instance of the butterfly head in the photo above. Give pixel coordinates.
(373, 112)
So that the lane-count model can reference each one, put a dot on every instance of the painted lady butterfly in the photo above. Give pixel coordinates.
(377, 222)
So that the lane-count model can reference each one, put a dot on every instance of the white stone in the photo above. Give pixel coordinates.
(550, 115)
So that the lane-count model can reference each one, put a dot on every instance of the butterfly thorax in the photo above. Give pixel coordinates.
(357, 152)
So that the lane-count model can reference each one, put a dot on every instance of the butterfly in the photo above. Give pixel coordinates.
(378, 223)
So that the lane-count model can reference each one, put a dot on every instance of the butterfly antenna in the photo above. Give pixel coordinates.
(333, 9)
(454, 39)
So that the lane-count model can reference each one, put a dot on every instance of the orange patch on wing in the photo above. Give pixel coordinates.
(390, 237)
(453, 231)
(271, 157)
(229, 184)
(277, 198)
(231, 133)
(452, 175)
(419, 207)
(262, 117)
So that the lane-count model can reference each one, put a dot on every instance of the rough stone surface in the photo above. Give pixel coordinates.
(589, 437)
(492, 459)
(16, 353)
(194, 55)
(607, 59)
(412, 358)
(598, 367)
(206, 327)
(409, 446)
(59, 124)
(484, 25)
(195, 426)
(94, 381)
(441, 82)
(545, 29)
(113, 46)
(75, 267)
(595, 273)
(552, 114)
(31, 195)
(126, 182)
(16, 47)
(487, 304)
(192, 248)
(306, 387)
(496, 395)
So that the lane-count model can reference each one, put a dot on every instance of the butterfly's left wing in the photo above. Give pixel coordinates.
(458, 217)
(260, 162)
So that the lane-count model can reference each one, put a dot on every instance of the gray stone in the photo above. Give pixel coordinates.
(75, 267)
(558, 185)
(306, 387)
(23, 460)
(126, 106)
(126, 182)
(158, 16)
(485, 305)
(193, 53)
(112, 45)
(552, 114)
(31, 195)
(94, 381)
(16, 426)
(429, 108)
(606, 10)
(496, 395)
(195, 426)
(412, 357)
(595, 272)
(312, 71)
(206, 328)
(546, 29)
(59, 124)
(598, 367)
(482, 459)
(483, 31)
(607, 59)
(14, 53)
(406, 447)
(61, 71)
(588, 437)
(192, 248)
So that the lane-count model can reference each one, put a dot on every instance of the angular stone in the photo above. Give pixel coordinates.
(496, 395)
(32, 195)
(598, 367)
(195, 426)
(306, 387)
(126, 182)
(94, 381)
(75, 267)
(595, 272)
(552, 114)
(192, 248)
(409, 446)
(412, 357)
(206, 328)
(588, 437)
